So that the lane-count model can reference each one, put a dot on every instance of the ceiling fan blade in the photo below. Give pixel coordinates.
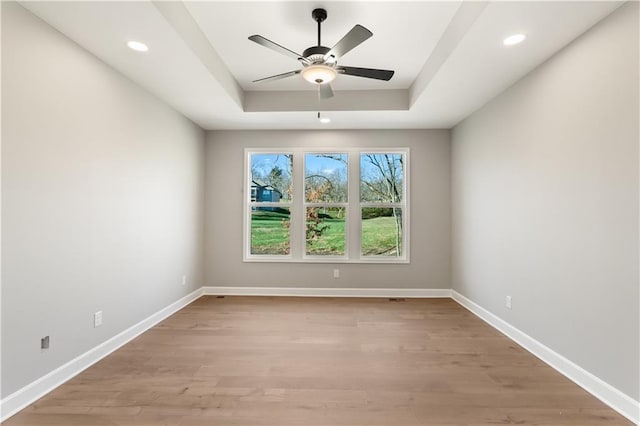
(325, 91)
(275, 46)
(278, 76)
(353, 38)
(366, 72)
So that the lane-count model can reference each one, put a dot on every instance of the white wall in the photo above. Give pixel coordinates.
(102, 189)
(430, 212)
(545, 202)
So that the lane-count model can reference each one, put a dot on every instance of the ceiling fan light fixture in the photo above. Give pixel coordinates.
(319, 74)
(319, 62)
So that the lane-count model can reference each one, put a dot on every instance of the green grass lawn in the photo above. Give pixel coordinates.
(331, 242)
(268, 233)
(270, 236)
(379, 237)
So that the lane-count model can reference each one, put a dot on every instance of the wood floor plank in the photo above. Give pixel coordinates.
(319, 361)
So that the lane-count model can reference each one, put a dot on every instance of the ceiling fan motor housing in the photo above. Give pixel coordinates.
(316, 54)
(317, 70)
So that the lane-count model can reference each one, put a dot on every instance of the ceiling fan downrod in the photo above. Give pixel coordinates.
(319, 15)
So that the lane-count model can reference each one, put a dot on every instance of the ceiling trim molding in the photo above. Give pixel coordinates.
(178, 16)
(460, 24)
(343, 100)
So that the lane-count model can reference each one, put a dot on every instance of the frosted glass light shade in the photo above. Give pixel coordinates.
(319, 74)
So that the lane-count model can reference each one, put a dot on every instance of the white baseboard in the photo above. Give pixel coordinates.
(611, 396)
(606, 393)
(45, 384)
(328, 292)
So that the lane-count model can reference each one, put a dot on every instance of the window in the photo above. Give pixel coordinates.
(381, 204)
(270, 204)
(325, 195)
(339, 205)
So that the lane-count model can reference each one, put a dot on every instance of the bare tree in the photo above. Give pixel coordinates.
(383, 182)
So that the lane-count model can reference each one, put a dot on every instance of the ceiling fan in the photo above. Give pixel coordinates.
(319, 63)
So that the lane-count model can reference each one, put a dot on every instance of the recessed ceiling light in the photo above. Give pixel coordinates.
(323, 120)
(514, 39)
(137, 46)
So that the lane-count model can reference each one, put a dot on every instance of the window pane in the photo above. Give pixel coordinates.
(381, 178)
(381, 231)
(325, 178)
(326, 231)
(271, 177)
(270, 230)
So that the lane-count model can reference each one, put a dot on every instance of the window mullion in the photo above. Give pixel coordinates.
(297, 208)
(353, 210)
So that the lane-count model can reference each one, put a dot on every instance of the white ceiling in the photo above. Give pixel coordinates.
(227, 28)
(448, 55)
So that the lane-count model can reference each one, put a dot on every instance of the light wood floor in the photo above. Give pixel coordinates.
(319, 361)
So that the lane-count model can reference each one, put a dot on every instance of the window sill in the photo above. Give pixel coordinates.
(328, 260)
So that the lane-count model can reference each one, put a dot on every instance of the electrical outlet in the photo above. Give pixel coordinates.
(336, 273)
(184, 280)
(44, 342)
(97, 319)
(508, 302)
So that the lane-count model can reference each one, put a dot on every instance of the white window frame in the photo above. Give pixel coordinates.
(297, 208)
(249, 204)
(331, 258)
(404, 205)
